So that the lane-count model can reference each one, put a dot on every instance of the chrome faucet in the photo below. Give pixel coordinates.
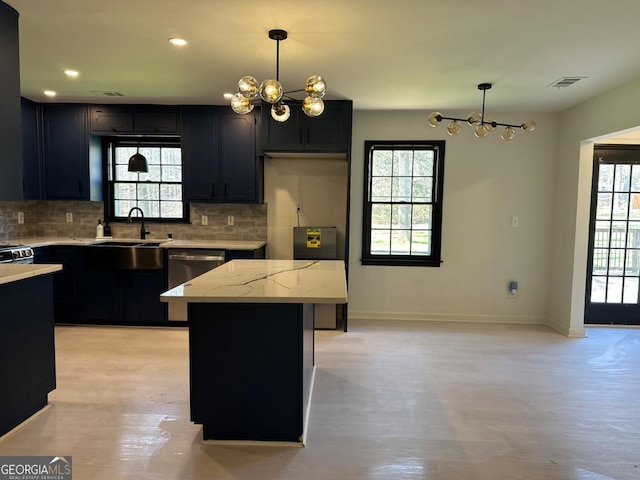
(143, 231)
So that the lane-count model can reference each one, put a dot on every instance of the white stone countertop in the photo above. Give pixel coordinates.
(12, 272)
(266, 281)
(164, 243)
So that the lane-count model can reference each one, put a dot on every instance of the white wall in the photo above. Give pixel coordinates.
(614, 111)
(487, 182)
(319, 183)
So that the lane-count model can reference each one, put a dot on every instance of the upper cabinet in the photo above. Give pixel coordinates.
(65, 152)
(130, 119)
(219, 156)
(330, 132)
(31, 165)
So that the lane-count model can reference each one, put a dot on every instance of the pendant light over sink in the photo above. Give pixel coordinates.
(271, 91)
(138, 162)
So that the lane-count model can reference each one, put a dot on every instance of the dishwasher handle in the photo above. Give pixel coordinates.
(196, 258)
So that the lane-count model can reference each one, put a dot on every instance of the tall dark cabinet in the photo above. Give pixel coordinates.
(10, 138)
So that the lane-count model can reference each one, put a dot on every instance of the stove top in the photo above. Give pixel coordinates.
(16, 254)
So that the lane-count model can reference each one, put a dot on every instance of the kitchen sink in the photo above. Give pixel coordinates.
(117, 255)
(126, 243)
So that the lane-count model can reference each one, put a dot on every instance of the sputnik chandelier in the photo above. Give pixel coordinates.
(482, 126)
(271, 91)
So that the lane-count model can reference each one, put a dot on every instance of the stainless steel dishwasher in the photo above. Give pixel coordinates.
(187, 264)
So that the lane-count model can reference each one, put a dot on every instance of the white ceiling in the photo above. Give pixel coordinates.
(382, 54)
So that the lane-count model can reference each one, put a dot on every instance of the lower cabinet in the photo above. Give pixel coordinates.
(65, 281)
(124, 297)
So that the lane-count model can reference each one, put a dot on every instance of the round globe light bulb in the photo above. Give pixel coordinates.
(315, 87)
(312, 106)
(482, 131)
(508, 133)
(474, 118)
(528, 126)
(241, 104)
(249, 87)
(435, 118)
(271, 91)
(280, 112)
(453, 128)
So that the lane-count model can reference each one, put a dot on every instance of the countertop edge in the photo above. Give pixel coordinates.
(35, 242)
(13, 272)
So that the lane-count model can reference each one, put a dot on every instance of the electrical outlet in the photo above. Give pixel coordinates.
(69, 217)
(204, 220)
(515, 222)
(230, 220)
(21, 217)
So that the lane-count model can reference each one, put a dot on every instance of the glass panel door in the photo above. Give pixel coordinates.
(614, 237)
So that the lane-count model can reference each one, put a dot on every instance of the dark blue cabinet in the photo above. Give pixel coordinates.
(31, 156)
(134, 119)
(219, 156)
(65, 281)
(66, 152)
(330, 132)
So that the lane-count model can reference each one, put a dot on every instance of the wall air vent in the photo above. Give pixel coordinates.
(565, 82)
(101, 93)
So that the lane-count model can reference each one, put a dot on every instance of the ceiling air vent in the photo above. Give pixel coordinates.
(100, 93)
(565, 82)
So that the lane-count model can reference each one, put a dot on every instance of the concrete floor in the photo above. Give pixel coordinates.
(392, 400)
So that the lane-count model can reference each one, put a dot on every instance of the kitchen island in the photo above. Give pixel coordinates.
(27, 355)
(251, 345)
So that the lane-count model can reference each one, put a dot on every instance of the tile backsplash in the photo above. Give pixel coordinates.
(44, 218)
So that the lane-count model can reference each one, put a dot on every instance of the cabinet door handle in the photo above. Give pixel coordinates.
(80, 187)
(226, 190)
(213, 189)
(307, 136)
(300, 135)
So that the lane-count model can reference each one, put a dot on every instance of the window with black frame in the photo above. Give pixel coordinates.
(402, 218)
(158, 192)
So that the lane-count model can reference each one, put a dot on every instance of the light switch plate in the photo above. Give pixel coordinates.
(230, 220)
(69, 217)
(20, 217)
(204, 220)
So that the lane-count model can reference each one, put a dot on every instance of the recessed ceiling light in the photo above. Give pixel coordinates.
(49, 93)
(228, 96)
(71, 73)
(180, 42)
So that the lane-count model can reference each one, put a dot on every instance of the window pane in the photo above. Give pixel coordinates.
(616, 261)
(381, 189)
(604, 206)
(124, 191)
(381, 163)
(171, 209)
(422, 189)
(423, 163)
(150, 208)
(123, 154)
(381, 242)
(600, 261)
(401, 189)
(403, 163)
(171, 192)
(401, 217)
(618, 234)
(171, 156)
(421, 217)
(632, 263)
(420, 242)
(380, 216)
(620, 205)
(630, 291)
(605, 178)
(614, 290)
(623, 178)
(401, 242)
(171, 174)
(153, 175)
(598, 289)
(633, 235)
(148, 191)
(123, 175)
(635, 178)
(122, 207)
(601, 239)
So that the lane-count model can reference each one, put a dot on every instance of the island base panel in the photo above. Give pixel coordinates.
(27, 356)
(251, 369)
